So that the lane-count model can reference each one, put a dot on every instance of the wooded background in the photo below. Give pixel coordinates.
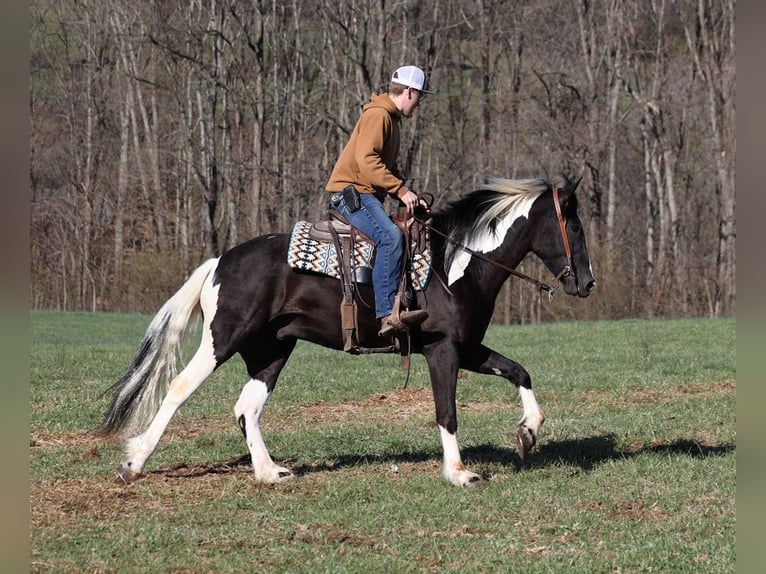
(163, 133)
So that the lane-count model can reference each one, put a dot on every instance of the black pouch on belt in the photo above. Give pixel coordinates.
(351, 197)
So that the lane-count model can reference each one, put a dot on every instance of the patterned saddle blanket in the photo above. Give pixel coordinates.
(313, 252)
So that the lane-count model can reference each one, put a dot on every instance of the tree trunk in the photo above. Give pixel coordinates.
(121, 192)
(713, 53)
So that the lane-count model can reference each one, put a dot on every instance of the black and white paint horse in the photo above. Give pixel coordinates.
(254, 304)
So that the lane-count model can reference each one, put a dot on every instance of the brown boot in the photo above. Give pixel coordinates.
(407, 320)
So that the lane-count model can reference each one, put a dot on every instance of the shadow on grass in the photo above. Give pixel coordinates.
(585, 454)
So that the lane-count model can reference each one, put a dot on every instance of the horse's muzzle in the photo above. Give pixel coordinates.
(588, 287)
(581, 288)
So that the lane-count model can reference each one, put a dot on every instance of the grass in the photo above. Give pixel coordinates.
(635, 470)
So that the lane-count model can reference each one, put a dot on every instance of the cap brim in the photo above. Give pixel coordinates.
(414, 88)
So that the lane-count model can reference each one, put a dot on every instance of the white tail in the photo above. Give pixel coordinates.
(142, 388)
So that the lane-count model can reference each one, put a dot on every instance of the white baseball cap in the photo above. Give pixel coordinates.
(412, 77)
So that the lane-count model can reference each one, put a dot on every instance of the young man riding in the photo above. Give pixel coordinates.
(365, 173)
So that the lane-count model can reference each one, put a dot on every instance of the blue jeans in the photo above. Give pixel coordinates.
(372, 220)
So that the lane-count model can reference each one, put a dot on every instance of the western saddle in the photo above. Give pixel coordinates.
(344, 236)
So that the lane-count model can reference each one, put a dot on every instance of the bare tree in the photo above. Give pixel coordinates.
(647, 80)
(711, 44)
(166, 132)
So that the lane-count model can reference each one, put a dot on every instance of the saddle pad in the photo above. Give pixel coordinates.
(308, 254)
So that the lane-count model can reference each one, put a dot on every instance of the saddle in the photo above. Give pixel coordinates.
(345, 237)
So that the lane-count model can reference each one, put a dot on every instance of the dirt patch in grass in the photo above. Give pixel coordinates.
(391, 406)
(64, 439)
(61, 503)
(630, 510)
(395, 405)
(644, 395)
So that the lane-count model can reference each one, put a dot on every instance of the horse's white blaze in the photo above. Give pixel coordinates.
(249, 406)
(484, 240)
(200, 367)
(533, 417)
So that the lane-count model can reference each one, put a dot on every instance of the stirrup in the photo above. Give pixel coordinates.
(405, 321)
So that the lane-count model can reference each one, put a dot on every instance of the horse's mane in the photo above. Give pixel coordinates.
(480, 219)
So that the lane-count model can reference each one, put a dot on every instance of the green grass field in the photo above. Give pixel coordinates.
(635, 470)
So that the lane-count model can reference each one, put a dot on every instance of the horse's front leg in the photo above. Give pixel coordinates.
(483, 360)
(443, 368)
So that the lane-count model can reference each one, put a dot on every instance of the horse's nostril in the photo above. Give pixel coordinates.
(591, 286)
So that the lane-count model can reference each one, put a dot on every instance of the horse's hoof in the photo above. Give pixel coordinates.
(525, 441)
(475, 482)
(127, 475)
(274, 475)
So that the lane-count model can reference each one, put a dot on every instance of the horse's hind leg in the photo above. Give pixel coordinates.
(139, 449)
(248, 411)
(264, 364)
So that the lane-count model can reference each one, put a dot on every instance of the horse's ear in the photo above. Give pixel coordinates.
(572, 186)
(567, 192)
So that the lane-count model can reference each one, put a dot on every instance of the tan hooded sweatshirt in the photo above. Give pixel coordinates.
(369, 160)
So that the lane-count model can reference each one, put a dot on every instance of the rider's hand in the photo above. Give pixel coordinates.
(411, 200)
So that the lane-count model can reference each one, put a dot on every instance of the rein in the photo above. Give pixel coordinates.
(542, 286)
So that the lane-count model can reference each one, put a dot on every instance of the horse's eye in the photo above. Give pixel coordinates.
(575, 228)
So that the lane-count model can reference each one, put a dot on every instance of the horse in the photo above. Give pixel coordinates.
(253, 304)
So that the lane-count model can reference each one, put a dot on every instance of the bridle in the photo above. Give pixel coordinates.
(567, 270)
(550, 289)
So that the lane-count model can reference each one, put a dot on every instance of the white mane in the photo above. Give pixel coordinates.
(516, 201)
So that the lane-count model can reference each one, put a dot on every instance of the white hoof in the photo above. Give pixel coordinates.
(127, 474)
(274, 475)
(526, 439)
(463, 477)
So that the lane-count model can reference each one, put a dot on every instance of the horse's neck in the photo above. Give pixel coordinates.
(491, 269)
(495, 271)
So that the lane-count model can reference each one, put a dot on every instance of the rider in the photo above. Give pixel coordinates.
(365, 173)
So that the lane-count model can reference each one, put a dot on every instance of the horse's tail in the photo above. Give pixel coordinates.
(138, 394)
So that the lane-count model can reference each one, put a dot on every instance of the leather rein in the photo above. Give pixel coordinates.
(542, 286)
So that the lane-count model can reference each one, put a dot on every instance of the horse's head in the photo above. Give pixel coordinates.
(560, 242)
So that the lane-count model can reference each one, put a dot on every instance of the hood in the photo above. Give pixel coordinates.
(382, 101)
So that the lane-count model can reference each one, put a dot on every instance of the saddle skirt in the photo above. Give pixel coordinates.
(312, 248)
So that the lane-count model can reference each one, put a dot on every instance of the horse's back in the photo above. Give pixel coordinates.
(253, 253)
